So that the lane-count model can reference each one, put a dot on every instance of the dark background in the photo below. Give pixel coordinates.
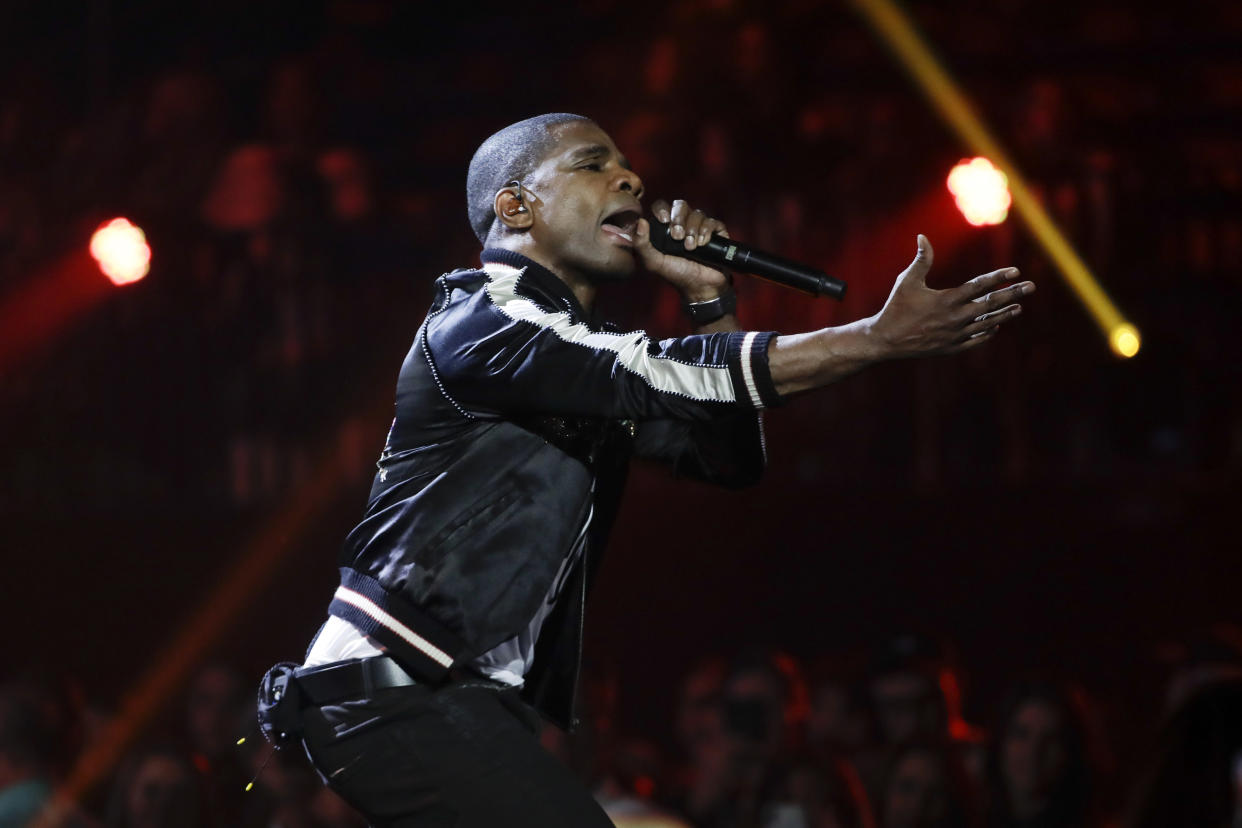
(1040, 503)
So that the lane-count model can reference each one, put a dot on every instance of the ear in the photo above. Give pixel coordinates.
(513, 212)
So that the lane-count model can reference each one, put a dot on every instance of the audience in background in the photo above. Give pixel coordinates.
(1039, 773)
(30, 745)
(926, 787)
(298, 207)
(219, 711)
(755, 754)
(158, 787)
(1196, 776)
(38, 736)
(840, 723)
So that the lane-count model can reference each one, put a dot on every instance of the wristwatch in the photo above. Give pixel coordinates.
(704, 313)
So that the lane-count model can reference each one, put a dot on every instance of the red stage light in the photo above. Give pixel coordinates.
(122, 251)
(981, 191)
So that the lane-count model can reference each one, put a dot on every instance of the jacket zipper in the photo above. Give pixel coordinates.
(582, 592)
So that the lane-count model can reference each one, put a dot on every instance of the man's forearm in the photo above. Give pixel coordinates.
(800, 362)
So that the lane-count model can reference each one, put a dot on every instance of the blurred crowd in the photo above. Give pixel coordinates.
(301, 184)
(759, 739)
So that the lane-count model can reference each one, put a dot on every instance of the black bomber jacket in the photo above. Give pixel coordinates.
(516, 415)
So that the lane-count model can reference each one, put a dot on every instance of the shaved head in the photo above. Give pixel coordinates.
(508, 155)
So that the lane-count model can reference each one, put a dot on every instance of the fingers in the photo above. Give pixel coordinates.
(651, 258)
(642, 239)
(706, 229)
(981, 285)
(691, 226)
(917, 271)
(677, 219)
(995, 300)
(975, 341)
(642, 233)
(694, 227)
(925, 251)
(989, 322)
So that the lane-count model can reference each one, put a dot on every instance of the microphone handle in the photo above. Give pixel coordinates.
(775, 268)
(722, 252)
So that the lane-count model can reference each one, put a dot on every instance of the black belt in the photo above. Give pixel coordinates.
(357, 677)
(362, 676)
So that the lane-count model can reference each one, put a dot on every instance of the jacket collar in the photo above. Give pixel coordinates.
(538, 282)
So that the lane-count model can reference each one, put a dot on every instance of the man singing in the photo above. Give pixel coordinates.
(459, 615)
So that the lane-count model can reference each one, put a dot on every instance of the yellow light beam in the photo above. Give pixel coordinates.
(895, 29)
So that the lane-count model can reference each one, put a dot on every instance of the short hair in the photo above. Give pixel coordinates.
(508, 155)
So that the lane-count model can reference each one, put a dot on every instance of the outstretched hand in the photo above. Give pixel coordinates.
(919, 321)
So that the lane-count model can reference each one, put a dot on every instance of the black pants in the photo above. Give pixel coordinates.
(462, 755)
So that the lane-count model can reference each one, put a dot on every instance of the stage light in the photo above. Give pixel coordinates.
(1125, 340)
(122, 251)
(981, 191)
(897, 30)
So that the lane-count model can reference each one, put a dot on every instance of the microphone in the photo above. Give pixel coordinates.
(727, 254)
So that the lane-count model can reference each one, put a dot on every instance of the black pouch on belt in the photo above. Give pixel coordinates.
(280, 705)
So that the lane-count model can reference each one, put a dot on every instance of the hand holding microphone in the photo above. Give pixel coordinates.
(721, 252)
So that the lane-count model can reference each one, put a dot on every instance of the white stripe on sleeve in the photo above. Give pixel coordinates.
(700, 382)
(748, 373)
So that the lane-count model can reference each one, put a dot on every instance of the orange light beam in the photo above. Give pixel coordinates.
(40, 310)
(169, 670)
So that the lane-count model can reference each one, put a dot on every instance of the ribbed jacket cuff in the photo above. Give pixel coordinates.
(748, 366)
(416, 640)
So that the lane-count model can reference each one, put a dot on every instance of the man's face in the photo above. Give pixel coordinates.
(754, 707)
(217, 704)
(585, 204)
(1034, 752)
(907, 707)
(917, 793)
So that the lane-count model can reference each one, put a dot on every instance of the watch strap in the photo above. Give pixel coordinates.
(704, 313)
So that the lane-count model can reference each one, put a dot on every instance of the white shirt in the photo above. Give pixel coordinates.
(507, 662)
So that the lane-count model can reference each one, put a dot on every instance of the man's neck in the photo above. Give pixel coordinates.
(578, 283)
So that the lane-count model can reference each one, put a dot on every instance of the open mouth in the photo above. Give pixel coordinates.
(622, 224)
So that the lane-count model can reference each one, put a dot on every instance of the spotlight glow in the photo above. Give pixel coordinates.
(122, 251)
(1125, 340)
(981, 191)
